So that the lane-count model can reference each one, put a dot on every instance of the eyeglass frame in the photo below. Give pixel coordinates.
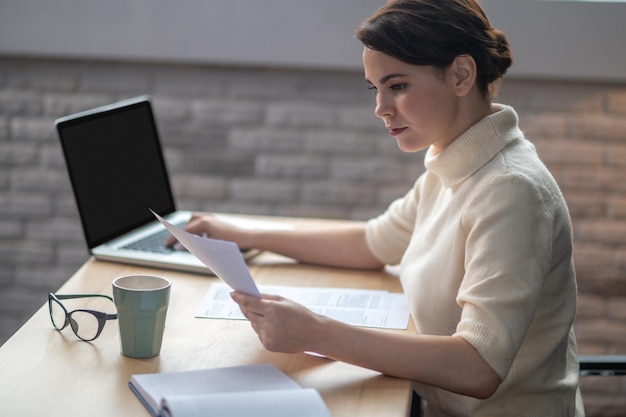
(99, 315)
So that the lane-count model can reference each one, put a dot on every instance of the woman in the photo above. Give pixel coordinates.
(483, 238)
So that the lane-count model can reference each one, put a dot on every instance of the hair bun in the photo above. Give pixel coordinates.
(502, 56)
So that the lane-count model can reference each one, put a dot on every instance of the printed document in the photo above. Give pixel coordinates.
(365, 308)
(223, 257)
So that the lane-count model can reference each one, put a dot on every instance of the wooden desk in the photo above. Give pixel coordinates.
(52, 373)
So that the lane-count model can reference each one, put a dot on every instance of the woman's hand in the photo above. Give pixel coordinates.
(282, 325)
(209, 225)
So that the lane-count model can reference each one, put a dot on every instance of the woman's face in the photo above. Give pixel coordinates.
(417, 103)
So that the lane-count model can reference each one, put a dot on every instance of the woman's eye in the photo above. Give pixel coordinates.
(371, 87)
(398, 87)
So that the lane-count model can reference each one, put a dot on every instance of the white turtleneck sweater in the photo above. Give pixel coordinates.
(484, 243)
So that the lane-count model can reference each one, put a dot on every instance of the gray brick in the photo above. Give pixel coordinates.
(413, 167)
(18, 153)
(25, 251)
(72, 255)
(361, 118)
(49, 76)
(40, 179)
(51, 155)
(291, 166)
(170, 110)
(334, 192)
(126, 79)
(10, 229)
(242, 207)
(54, 229)
(9, 325)
(263, 139)
(373, 170)
(24, 204)
(311, 210)
(336, 88)
(220, 162)
(35, 252)
(253, 85)
(195, 81)
(57, 104)
(365, 213)
(7, 273)
(388, 146)
(23, 103)
(226, 112)
(63, 204)
(300, 115)
(41, 279)
(20, 303)
(199, 186)
(343, 141)
(4, 129)
(263, 191)
(33, 129)
(8, 254)
(386, 195)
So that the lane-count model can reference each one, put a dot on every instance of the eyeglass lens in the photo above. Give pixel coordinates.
(84, 324)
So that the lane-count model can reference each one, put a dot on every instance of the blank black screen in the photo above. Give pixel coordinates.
(117, 170)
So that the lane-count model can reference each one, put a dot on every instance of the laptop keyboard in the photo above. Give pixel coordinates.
(152, 243)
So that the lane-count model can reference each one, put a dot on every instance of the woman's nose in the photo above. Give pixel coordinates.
(384, 107)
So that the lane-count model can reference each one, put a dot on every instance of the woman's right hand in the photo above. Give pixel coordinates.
(210, 225)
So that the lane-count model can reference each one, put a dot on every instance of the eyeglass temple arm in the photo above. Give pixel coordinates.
(70, 296)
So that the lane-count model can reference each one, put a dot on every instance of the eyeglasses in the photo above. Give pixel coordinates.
(86, 324)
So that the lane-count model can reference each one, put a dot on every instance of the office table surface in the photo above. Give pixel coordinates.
(47, 372)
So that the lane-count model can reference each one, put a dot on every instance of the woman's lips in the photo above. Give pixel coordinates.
(395, 131)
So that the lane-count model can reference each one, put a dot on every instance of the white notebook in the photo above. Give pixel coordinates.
(251, 390)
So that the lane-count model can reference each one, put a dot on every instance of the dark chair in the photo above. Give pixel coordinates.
(605, 365)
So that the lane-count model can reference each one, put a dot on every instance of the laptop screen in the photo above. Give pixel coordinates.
(116, 168)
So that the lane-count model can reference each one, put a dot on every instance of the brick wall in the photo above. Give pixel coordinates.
(297, 143)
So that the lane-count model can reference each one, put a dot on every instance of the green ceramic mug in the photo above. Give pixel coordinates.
(141, 302)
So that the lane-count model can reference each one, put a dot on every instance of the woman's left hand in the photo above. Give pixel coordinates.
(281, 324)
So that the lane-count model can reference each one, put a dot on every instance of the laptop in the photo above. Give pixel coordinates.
(118, 174)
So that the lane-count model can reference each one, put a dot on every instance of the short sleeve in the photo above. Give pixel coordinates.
(389, 234)
(509, 226)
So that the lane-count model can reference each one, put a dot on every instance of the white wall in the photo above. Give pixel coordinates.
(315, 33)
(564, 39)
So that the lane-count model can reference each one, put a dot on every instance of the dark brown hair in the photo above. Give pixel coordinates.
(434, 32)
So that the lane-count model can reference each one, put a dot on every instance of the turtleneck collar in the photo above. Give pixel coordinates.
(475, 147)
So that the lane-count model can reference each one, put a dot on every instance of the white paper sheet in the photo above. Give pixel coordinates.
(222, 257)
(366, 308)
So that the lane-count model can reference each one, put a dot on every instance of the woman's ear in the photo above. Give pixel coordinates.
(463, 74)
